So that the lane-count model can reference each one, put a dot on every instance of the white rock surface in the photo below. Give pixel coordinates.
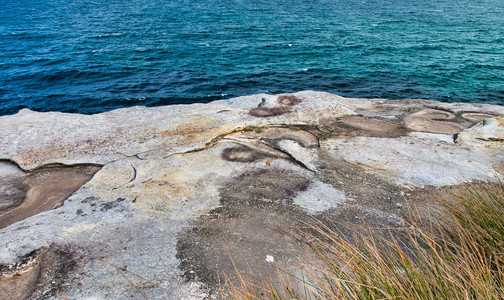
(177, 181)
(488, 133)
(320, 197)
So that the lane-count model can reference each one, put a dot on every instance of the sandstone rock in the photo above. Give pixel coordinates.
(488, 133)
(435, 121)
(158, 199)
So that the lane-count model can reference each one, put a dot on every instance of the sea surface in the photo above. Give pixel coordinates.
(89, 56)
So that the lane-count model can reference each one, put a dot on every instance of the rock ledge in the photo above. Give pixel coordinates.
(145, 202)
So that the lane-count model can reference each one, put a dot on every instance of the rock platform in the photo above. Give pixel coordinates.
(152, 203)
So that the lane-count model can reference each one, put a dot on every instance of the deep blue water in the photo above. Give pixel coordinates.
(89, 56)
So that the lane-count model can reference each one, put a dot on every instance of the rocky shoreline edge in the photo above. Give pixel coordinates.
(149, 202)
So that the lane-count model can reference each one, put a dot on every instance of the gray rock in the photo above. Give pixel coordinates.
(166, 195)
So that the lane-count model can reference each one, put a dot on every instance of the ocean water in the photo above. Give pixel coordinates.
(89, 56)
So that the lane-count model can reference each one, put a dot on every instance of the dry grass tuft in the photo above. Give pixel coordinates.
(456, 255)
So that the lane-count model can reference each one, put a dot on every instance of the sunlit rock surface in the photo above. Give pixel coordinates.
(152, 202)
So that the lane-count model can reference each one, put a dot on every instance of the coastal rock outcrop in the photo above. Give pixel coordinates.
(154, 202)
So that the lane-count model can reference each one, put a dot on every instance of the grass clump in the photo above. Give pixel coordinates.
(458, 254)
(253, 128)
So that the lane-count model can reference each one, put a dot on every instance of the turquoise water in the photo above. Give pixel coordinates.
(89, 56)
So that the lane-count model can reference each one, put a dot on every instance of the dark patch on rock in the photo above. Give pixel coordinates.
(110, 205)
(366, 189)
(264, 112)
(92, 201)
(289, 100)
(262, 186)
(246, 228)
(242, 154)
(359, 126)
(207, 251)
(39, 274)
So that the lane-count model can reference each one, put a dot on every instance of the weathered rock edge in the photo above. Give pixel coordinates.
(178, 181)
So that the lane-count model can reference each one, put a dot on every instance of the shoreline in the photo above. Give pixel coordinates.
(163, 185)
(247, 96)
(255, 96)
